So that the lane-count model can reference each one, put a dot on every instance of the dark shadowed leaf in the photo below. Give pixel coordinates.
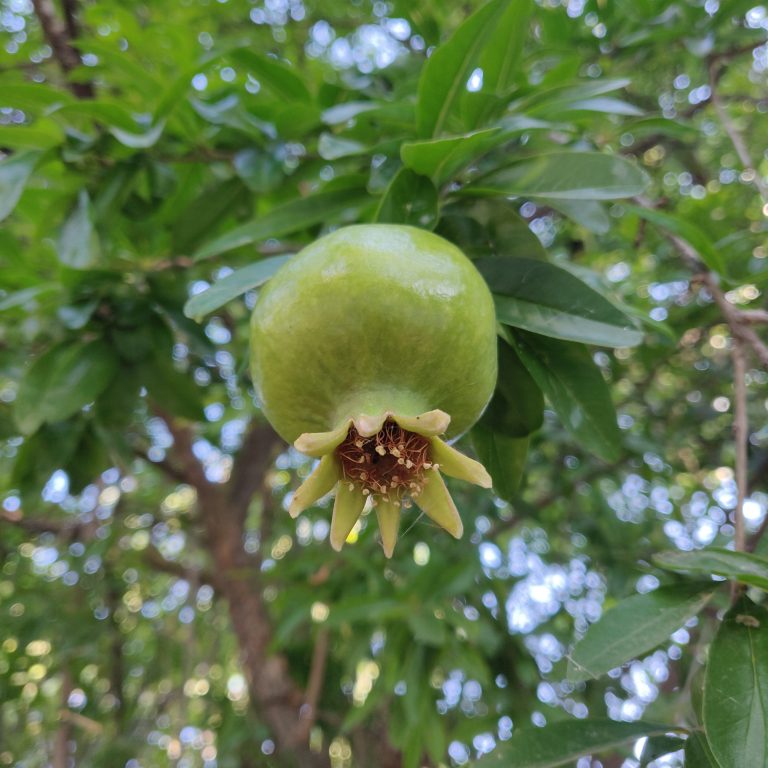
(14, 173)
(565, 176)
(698, 753)
(291, 217)
(633, 627)
(738, 566)
(573, 384)
(516, 409)
(562, 743)
(736, 688)
(205, 213)
(170, 388)
(503, 456)
(62, 381)
(542, 298)
(658, 746)
(232, 286)
(409, 199)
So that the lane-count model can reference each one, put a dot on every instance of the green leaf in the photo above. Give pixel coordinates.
(698, 754)
(290, 217)
(545, 299)
(588, 213)
(259, 170)
(43, 134)
(62, 381)
(171, 389)
(574, 386)
(658, 746)
(139, 140)
(213, 204)
(441, 159)
(499, 62)
(565, 176)
(25, 295)
(607, 104)
(232, 286)
(331, 147)
(503, 456)
(562, 743)
(736, 566)
(14, 173)
(517, 406)
(736, 688)
(633, 627)
(78, 245)
(443, 80)
(279, 77)
(695, 236)
(409, 199)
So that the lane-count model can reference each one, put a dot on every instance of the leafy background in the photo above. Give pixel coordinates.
(604, 164)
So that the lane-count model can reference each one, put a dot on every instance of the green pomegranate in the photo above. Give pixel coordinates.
(366, 347)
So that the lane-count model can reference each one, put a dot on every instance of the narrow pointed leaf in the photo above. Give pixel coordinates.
(409, 199)
(689, 231)
(633, 627)
(503, 456)
(737, 566)
(233, 285)
(444, 77)
(291, 217)
(565, 176)
(545, 299)
(440, 159)
(499, 62)
(736, 688)
(562, 743)
(14, 173)
(574, 386)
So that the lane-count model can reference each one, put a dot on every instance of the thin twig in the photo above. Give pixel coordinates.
(316, 677)
(58, 36)
(740, 436)
(734, 317)
(739, 144)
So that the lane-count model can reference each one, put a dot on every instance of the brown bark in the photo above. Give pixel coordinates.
(60, 36)
(60, 750)
(223, 510)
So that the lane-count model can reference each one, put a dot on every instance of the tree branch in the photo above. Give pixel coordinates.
(316, 677)
(739, 144)
(738, 325)
(73, 529)
(59, 36)
(740, 436)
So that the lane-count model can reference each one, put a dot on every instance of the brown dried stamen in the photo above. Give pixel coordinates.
(390, 464)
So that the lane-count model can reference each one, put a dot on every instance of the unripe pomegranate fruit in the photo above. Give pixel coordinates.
(366, 346)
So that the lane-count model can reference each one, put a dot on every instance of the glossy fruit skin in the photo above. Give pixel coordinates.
(373, 318)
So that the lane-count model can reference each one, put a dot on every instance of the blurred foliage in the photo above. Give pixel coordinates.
(198, 143)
